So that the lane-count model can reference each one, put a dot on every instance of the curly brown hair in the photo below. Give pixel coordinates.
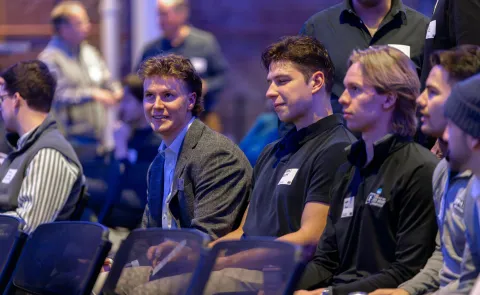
(177, 67)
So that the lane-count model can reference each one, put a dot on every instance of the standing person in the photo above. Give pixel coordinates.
(201, 47)
(85, 89)
(365, 23)
(381, 225)
(41, 180)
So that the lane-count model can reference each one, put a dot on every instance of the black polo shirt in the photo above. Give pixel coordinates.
(293, 171)
(381, 226)
(454, 22)
(341, 31)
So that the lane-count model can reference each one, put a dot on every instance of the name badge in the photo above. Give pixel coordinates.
(375, 200)
(432, 29)
(348, 204)
(288, 176)
(9, 176)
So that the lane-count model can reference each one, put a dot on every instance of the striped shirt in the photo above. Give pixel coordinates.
(48, 181)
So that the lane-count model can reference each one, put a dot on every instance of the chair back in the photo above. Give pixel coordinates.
(62, 257)
(12, 239)
(250, 266)
(156, 260)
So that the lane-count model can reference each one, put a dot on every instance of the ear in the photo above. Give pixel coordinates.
(17, 100)
(192, 98)
(473, 143)
(389, 101)
(317, 81)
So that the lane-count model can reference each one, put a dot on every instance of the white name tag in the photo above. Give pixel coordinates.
(375, 200)
(9, 176)
(403, 48)
(288, 177)
(348, 205)
(432, 29)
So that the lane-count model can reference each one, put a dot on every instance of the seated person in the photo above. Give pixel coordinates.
(381, 225)
(441, 274)
(199, 178)
(42, 178)
(293, 175)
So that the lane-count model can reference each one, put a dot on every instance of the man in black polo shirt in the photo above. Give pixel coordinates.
(381, 225)
(358, 24)
(293, 176)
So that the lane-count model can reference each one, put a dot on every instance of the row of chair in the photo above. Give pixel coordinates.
(67, 257)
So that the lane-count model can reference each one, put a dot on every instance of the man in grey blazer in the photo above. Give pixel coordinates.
(199, 179)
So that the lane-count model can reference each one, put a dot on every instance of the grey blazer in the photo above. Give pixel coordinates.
(211, 184)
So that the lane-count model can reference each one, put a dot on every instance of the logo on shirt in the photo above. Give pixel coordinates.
(9, 176)
(288, 176)
(375, 199)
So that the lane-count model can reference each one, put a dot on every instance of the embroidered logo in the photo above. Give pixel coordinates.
(375, 199)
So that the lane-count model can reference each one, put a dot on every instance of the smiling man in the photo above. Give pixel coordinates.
(199, 179)
(293, 175)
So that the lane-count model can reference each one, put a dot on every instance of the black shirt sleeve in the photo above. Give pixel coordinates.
(466, 22)
(415, 236)
(319, 272)
(326, 166)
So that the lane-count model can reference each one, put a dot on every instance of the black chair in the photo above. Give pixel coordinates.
(248, 267)
(61, 258)
(174, 256)
(12, 239)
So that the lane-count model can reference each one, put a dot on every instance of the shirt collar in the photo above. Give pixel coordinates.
(382, 148)
(21, 141)
(294, 139)
(177, 142)
(347, 10)
(475, 187)
(59, 43)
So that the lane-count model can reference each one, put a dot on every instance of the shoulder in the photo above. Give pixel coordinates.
(326, 14)
(201, 35)
(153, 45)
(418, 164)
(212, 145)
(52, 160)
(415, 16)
(440, 170)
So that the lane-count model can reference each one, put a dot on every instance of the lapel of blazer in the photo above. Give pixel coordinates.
(192, 137)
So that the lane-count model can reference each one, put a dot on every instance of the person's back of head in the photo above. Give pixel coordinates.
(392, 75)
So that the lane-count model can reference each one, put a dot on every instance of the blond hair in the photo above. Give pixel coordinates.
(390, 71)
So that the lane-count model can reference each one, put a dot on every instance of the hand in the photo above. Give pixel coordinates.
(103, 96)
(160, 251)
(107, 265)
(389, 292)
(314, 292)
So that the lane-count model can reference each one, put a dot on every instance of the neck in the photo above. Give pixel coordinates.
(320, 109)
(443, 145)
(169, 138)
(179, 36)
(371, 136)
(34, 120)
(372, 16)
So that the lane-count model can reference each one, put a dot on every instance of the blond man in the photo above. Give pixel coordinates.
(381, 226)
